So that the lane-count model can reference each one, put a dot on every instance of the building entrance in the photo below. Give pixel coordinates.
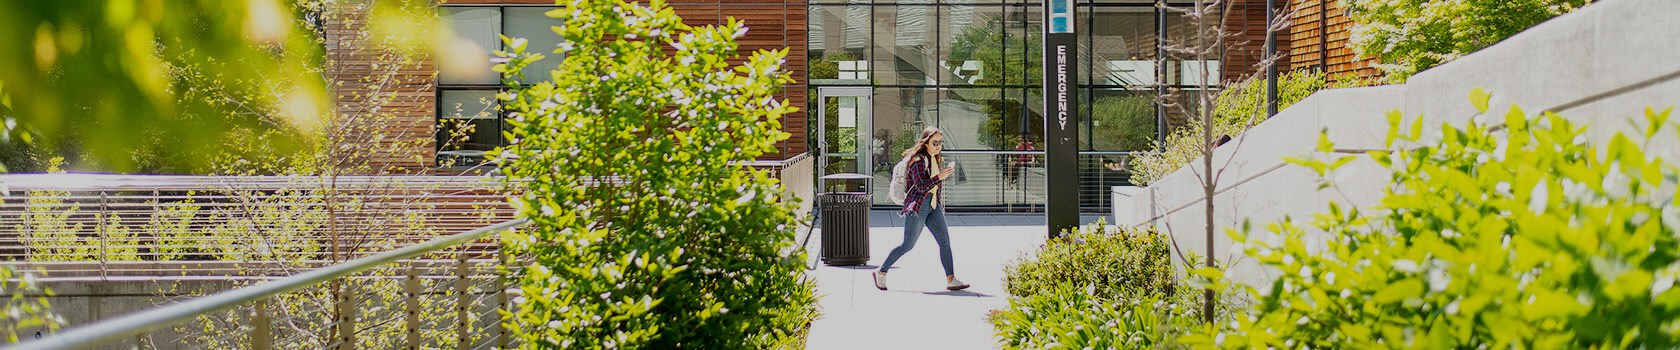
(843, 139)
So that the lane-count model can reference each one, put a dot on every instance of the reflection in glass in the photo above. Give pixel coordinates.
(904, 45)
(1124, 41)
(481, 25)
(971, 49)
(989, 118)
(530, 23)
(899, 115)
(469, 104)
(839, 39)
(1023, 46)
(1117, 120)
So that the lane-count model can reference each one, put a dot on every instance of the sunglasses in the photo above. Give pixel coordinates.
(936, 143)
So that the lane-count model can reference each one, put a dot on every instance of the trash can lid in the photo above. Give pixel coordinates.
(846, 176)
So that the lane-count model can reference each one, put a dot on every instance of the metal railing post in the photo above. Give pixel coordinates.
(463, 302)
(346, 322)
(100, 228)
(501, 306)
(262, 329)
(411, 287)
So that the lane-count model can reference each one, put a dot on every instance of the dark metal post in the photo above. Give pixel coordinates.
(1061, 133)
(1271, 63)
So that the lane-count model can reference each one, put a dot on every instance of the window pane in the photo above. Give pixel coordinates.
(1117, 120)
(530, 23)
(904, 45)
(1024, 46)
(985, 118)
(468, 104)
(1183, 67)
(839, 40)
(971, 45)
(900, 114)
(480, 25)
(1124, 40)
(469, 135)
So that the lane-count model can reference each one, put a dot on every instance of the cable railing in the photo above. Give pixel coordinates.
(424, 295)
(113, 227)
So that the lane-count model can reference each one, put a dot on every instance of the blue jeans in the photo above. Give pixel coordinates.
(934, 219)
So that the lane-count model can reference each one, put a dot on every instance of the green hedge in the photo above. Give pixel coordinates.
(1092, 257)
(1096, 288)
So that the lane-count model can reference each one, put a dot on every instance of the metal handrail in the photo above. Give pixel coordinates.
(145, 321)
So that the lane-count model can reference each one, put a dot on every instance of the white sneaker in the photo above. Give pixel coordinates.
(880, 280)
(955, 284)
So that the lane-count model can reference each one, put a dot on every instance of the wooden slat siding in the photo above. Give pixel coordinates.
(1246, 40)
(1343, 63)
(1320, 31)
(771, 25)
(1305, 33)
(402, 139)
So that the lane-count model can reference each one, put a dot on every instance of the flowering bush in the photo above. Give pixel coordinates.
(646, 233)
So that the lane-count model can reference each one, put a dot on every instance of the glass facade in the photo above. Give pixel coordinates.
(973, 68)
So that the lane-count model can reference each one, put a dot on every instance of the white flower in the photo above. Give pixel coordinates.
(1405, 265)
(1537, 198)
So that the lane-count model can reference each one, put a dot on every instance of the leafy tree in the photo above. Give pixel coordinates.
(646, 232)
(1517, 235)
(1409, 36)
(96, 78)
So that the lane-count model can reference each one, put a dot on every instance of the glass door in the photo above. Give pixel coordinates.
(843, 133)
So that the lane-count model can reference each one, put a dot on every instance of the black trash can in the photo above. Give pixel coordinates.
(845, 222)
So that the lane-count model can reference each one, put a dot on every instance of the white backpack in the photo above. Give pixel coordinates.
(899, 189)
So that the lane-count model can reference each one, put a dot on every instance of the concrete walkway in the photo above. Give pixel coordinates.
(916, 312)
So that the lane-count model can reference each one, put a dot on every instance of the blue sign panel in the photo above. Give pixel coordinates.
(1060, 16)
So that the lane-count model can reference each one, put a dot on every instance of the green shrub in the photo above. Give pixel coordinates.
(1236, 109)
(1522, 235)
(1409, 36)
(1092, 256)
(646, 232)
(1074, 318)
(1102, 289)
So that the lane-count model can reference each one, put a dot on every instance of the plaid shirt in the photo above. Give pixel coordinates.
(921, 184)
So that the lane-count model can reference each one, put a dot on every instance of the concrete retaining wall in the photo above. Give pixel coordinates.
(1603, 65)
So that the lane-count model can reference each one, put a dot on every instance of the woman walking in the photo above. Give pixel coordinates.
(923, 205)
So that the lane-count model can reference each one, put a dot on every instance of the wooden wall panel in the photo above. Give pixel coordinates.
(771, 25)
(385, 101)
(1246, 40)
(1320, 32)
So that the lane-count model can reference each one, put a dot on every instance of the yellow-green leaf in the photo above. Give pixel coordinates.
(1397, 291)
(1479, 98)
